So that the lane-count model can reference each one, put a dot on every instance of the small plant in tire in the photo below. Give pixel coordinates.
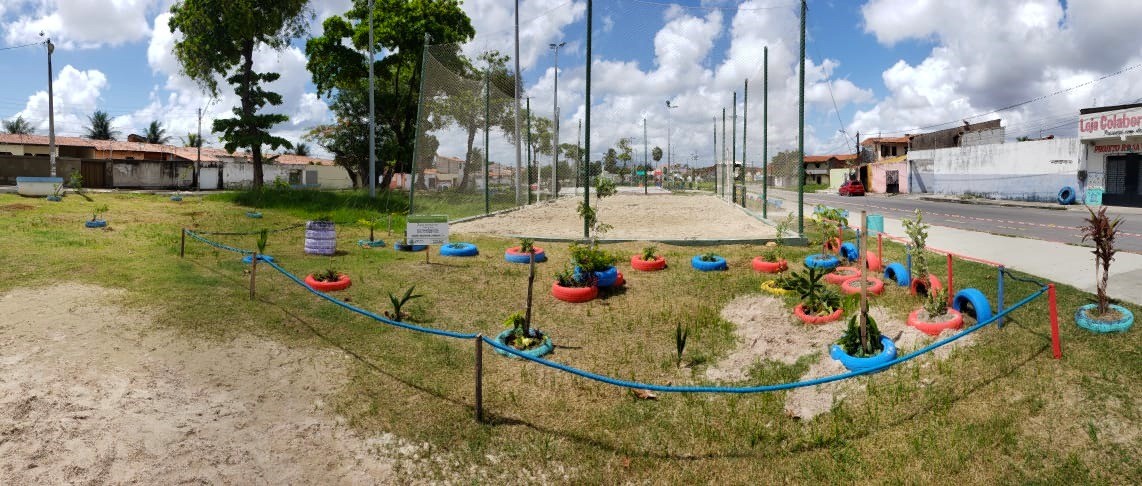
(1102, 316)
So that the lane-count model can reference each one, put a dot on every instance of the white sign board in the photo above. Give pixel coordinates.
(1117, 123)
(427, 230)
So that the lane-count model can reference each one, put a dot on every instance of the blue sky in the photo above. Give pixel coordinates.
(890, 65)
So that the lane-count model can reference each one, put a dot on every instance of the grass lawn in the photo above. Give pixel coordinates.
(1001, 411)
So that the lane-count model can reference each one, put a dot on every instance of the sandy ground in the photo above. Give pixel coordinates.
(90, 393)
(639, 217)
(767, 330)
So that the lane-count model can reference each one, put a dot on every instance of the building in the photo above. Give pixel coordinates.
(1111, 138)
(888, 170)
(828, 169)
(967, 135)
(1022, 171)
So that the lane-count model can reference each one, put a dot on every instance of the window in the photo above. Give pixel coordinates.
(884, 151)
(295, 177)
(894, 151)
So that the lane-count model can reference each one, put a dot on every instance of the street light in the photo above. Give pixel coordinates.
(51, 110)
(555, 114)
(669, 157)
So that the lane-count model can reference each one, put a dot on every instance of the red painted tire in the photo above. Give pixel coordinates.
(833, 245)
(637, 263)
(763, 266)
(872, 261)
(933, 284)
(574, 294)
(852, 285)
(935, 328)
(619, 281)
(343, 282)
(840, 274)
(799, 311)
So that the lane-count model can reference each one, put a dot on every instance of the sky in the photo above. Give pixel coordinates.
(875, 67)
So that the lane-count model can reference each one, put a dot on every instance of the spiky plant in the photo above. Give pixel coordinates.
(1100, 229)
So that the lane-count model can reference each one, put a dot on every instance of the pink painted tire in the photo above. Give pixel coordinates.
(935, 328)
(840, 274)
(637, 263)
(759, 264)
(799, 311)
(343, 282)
(933, 284)
(872, 261)
(852, 285)
(574, 294)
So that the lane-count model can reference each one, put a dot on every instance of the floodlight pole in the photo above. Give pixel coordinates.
(644, 161)
(715, 156)
(515, 106)
(555, 112)
(586, 134)
(801, 130)
(51, 111)
(745, 122)
(734, 149)
(765, 134)
(373, 115)
(669, 128)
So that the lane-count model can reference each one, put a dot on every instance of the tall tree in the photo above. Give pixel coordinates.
(464, 102)
(19, 126)
(219, 39)
(625, 155)
(100, 127)
(656, 154)
(611, 161)
(155, 133)
(301, 148)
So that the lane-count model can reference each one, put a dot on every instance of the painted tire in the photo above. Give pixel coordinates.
(719, 263)
(849, 251)
(603, 278)
(637, 263)
(248, 259)
(463, 250)
(574, 294)
(1095, 325)
(54, 198)
(872, 261)
(619, 280)
(176, 198)
(768, 287)
(820, 260)
(343, 282)
(978, 302)
(897, 273)
(513, 255)
(99, 223)
(402, 246)
(935, 328)
(1066, 196)
(840, 274)
(253, 214)
(933, 284)
(371, 243)
(833, 245)
(763, 266)
(799, 311)
(543, 349)
(852, 286)
(858, 364)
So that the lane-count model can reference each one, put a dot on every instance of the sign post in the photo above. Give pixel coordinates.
(427, 230)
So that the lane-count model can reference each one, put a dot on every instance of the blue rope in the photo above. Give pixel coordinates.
(218, 245)
(1023, 279)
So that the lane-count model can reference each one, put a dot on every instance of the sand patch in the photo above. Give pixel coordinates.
(90, 393)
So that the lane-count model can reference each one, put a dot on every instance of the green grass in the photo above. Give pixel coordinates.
(1001, 411)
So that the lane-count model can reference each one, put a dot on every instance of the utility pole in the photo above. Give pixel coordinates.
(487, 126)
(555, 110)
(669, 128)
(373, 115)
(51, 111)
(765, 134)
(515, 105)
(801, 129)
(529, 151)
(198, 151)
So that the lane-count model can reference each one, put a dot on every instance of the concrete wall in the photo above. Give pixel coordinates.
(1025, 171)
(837, 177)
(151, 174)
(879, 176)
(12, 166)
(237, 175)
(983, 137)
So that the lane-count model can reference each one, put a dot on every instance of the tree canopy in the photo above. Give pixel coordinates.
(100, 127)
(155, 133)
(19, 126)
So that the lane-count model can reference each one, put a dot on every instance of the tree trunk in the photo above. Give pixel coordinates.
(468, 165)
(247, 87)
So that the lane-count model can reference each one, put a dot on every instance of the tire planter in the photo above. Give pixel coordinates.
(872, 261)
(852, 286)
(769, 287)
(248, 259)
(343, 282)
(54, 198)
(850, 252)
(833, 245)
(176, 198)
(1091, 324)
(799, 311)
(840, 274)
(935, 328)
(1066, 196)
(933, 284)
(96, 223)
(574, 294)
(897, 273)
(459, 250)
(637, 263)
(371, 243)
(604, 278)
(320, 238)
(544, 348)
(760, 265)
(820, 260)
(888, 353)
(402, 246)
(513, 255)
(719, 263)
(978, 302)
(253, 214)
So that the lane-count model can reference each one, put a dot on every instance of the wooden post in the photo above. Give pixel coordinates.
(1056, 344)
(427, 250)
(253, 272)
(530, 284)
(863, 284)
(951, 288)
(880, 248)
(182, 244)
(479, 377)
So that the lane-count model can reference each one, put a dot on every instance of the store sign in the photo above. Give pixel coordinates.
(427, 230)
(1117, 123)
(1118, 148)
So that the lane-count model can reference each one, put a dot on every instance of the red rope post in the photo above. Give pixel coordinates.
(880, 247)
(951, 288)
(1056, 345)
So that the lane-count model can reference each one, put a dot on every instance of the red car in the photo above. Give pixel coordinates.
(851, 187)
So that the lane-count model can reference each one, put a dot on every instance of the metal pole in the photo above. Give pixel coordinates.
(416, 136)
(999, 297)
(515, 107)
(487, 126)
(801, 129)
(723, 152)
(198, 154)
(479, 377)
(51, 112)
(529, 150)
(765, 134)
(745, 120)
(734, 149)
(373, 114)
(715, 156)
(555, 111)
(645, 165)
(579, 154)
(587, 134)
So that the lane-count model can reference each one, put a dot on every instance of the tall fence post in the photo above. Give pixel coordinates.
(999, 298)
(1056, 345)
(182, 244)
(951, 286)
(479, 377)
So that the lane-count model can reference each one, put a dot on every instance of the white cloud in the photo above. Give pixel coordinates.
(76, 96)
(81, 24)
(541, 23)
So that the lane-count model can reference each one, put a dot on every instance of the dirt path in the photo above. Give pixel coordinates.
(90, 393)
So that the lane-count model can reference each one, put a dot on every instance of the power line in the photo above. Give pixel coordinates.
(714, 7)
(17, 47)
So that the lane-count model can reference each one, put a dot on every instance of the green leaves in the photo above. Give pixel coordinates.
(100, 128)
(917, 231)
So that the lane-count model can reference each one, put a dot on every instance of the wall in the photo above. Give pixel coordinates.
(983, 137)
(950, 137)
(1025, 171)
(335, 177)
(12, 166)
(837, 177)
(151, 174)
(879, 176)
(237, 175)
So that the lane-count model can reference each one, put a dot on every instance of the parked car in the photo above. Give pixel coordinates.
(851, 187)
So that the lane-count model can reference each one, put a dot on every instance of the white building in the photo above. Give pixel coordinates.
(1111, 138)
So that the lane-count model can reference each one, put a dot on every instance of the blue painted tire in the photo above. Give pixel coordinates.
(606, 278)
(460, 250)
(253, 214)
(54, 198)
(515, 257)
(858, 364)
(719, 263)
(897, 273)
(1066, 196)
(849, 251)
(1094, 325)
(176, 198)
(820, 260)
(371, 243)
(978, 302)
(401, 246)
(99, 223)
(540, 351)
(249, 258)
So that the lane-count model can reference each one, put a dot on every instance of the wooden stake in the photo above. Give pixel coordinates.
(530, 284)
(182, 244)
(253, 272)
(427, 250)
(479, 377)
(863, 281)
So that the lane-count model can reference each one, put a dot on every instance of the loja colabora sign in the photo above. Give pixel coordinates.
(1117, 123)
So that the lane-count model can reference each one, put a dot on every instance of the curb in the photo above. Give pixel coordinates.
(991, 202)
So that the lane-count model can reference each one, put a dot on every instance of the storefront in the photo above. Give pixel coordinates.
(1112, 148)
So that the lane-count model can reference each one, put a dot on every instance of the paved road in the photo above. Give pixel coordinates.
(1024, 222)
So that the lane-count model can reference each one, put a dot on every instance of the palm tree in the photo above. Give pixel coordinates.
(301, 148)
(19, 126)
(191, 140)
(100, 128)
(155, 133)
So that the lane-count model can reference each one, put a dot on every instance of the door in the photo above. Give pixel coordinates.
(93, 174)
(892, 181)
(1123, 181)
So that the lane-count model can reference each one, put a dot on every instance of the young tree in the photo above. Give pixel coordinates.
(611, 161)
(18, 126)
(219, 39)
(100, 128)
(155, 133)
(625, 151)
(467, 106)
(656, 154)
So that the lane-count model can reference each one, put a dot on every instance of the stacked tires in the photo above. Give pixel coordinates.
(320, 238)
